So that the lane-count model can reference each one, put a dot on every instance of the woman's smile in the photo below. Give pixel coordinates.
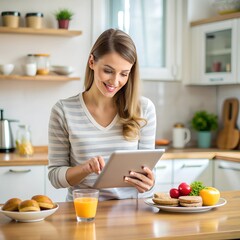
(109, 87)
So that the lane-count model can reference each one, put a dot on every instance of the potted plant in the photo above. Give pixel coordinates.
(204, 122)
(63, 16)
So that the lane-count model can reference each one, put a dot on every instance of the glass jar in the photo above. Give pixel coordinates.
(31, 58)
(23, 141)
(43, 63)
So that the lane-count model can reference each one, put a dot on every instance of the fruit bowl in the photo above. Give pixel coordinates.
(30, 216)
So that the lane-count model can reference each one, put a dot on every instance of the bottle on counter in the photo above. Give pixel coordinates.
(23, 141)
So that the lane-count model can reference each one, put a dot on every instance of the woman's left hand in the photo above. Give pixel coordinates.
(140, 181)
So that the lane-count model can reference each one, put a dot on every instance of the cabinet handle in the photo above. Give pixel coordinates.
(216, 79)
(190, 166)
(161, 167)
(20, 171)
(228, 168)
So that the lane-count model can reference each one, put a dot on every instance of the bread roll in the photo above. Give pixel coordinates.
(12, 204)
(44, 201)
(28, 206)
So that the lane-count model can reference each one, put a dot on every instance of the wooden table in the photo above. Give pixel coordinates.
(124, 219)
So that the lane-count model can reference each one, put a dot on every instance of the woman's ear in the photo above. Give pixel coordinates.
(91, 61)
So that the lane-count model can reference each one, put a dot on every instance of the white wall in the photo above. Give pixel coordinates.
(30, 102)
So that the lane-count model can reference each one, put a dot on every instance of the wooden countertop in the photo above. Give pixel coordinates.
(40, 156)
(124, 219)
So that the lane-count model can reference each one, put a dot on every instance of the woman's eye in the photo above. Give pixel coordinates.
(124, 74)
(107, 71)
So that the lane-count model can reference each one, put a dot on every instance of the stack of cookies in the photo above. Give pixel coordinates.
(164, 199)
(190, 201)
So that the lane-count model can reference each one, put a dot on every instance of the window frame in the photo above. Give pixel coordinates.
(173, 69)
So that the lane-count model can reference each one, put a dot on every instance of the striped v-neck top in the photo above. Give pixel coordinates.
(75, 136)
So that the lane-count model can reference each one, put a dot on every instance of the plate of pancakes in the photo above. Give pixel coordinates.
(32, 210)
(183, 204)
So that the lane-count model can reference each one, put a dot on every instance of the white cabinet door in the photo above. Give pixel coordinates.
(226, 175)
(163, 171)
(57, 195)
(214, 53)
(21, 181)
(190, 170)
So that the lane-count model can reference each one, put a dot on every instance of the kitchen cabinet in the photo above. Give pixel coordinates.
(26, 181)
(226, 175)
(170, 173)
(215, 52)
(21, 181)
(189, 170)
(44, 32)
(164, 176)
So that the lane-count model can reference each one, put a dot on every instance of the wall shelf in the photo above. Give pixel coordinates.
(41, 31)
(216, 19)
(39, 78)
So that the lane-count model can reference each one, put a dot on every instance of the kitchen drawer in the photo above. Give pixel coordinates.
(21, 181)
(226, 175)
(190, 170)
(163, 171)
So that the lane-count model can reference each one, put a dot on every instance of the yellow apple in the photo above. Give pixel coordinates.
(210, 196)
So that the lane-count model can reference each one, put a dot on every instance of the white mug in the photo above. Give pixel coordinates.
(30, 69)
(181, 136)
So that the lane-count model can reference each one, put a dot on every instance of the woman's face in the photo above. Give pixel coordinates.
(111, 73)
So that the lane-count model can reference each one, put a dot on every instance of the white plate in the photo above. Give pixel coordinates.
(149, 202)
(30, 216)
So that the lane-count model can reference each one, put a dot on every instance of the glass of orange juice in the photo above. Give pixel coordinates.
(85, 203)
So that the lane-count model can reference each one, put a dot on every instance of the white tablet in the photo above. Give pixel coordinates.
(122, 162)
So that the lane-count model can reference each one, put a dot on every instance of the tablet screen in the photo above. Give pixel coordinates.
(122, 162)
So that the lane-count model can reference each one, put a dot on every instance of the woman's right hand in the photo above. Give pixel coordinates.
(76, 174)
(94, 165)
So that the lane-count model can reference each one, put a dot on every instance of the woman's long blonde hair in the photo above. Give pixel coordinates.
(127, 98)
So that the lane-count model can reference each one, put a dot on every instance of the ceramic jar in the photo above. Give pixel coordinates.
(11, 19)
(34, 20)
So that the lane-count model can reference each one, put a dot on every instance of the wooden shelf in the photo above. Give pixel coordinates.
(41, 31)
(216, 19)
(39, 78)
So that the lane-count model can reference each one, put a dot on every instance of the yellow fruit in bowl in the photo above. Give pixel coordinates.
(210, 196)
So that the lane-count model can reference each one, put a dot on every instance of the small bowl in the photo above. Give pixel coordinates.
(30, 216)
(6, 69)
(63, 70)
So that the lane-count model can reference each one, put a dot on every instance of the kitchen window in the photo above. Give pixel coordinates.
(154, 25)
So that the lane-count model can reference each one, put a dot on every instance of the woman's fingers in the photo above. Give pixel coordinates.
(141, 181)
(96, 164)
(101, 163)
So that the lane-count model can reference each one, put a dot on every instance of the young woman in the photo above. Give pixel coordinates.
(109, 115)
